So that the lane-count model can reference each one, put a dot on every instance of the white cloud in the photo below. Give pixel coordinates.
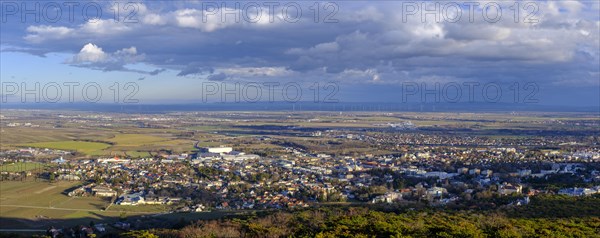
(370, 36)
(153, 19)
(573, 7)
(90, 53)
(433, 30)
(326, 47)
(256, 71)
(131, 50)
(322, 48)
(356, 75)
(44, 33)
(128, 55)
(104, 27)
(197, 19)
(38, 34)
(93, 57)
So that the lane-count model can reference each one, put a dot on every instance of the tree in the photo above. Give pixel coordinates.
(123, 216)
(139, 234)
(526, 190)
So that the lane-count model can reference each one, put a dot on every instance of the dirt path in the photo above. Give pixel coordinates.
(45, 189)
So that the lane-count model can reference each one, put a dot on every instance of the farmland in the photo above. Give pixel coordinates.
(132, 145)
(39, 201)
(88, 148)
(139, 145)
(136, 139)
(35, 204)
(21, 166)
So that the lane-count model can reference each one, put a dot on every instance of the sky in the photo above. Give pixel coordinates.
(546, 53)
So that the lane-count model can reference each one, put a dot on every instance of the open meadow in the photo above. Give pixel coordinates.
(38, 204)
(88, 148)
(131, 144)
(21, 166)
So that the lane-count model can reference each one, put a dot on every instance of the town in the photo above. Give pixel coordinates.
(221, 178)
(222, 166)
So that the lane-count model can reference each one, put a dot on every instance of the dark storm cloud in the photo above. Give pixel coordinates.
(192, 69)
(217, 77)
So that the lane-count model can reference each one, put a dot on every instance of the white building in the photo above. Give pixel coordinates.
(436, 192)
(507, 188)
(114, 160)
(388, 197)
(219, 150)
(131, 199)
(577, 191)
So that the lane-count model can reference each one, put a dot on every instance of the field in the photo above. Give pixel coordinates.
(127, 144)
(14, 136)
(123, 138)
(136, 139)
(139, 145)
(33, 204)
(88, 148)
(38, 205)
(135, 154)
(20, 167)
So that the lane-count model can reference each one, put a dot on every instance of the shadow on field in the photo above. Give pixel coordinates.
(12, 225)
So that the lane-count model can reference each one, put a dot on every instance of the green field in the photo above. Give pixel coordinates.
(88, 148)
(133, 145)
(38, 205)
(40, 201)
(139, 145)
(21, 166)
(136, 139)
(139, 154)
(32, 204)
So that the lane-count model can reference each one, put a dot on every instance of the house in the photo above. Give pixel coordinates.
(388, 197)
(523, 201)
(436, 192)
(115, 160)
(474, 171)
(487, 173)
(507, 189)
(199, 208)
(438, 174)
(462, 170)
(59, 160)
(131, 199)
(524, 172)
(122, 225)
(102, 191)
(577, 191)
(69, 177)
(100, 227)
(81, 191)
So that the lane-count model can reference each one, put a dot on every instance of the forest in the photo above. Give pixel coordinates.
(545, 216)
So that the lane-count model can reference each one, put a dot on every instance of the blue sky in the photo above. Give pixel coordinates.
(369, 50)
